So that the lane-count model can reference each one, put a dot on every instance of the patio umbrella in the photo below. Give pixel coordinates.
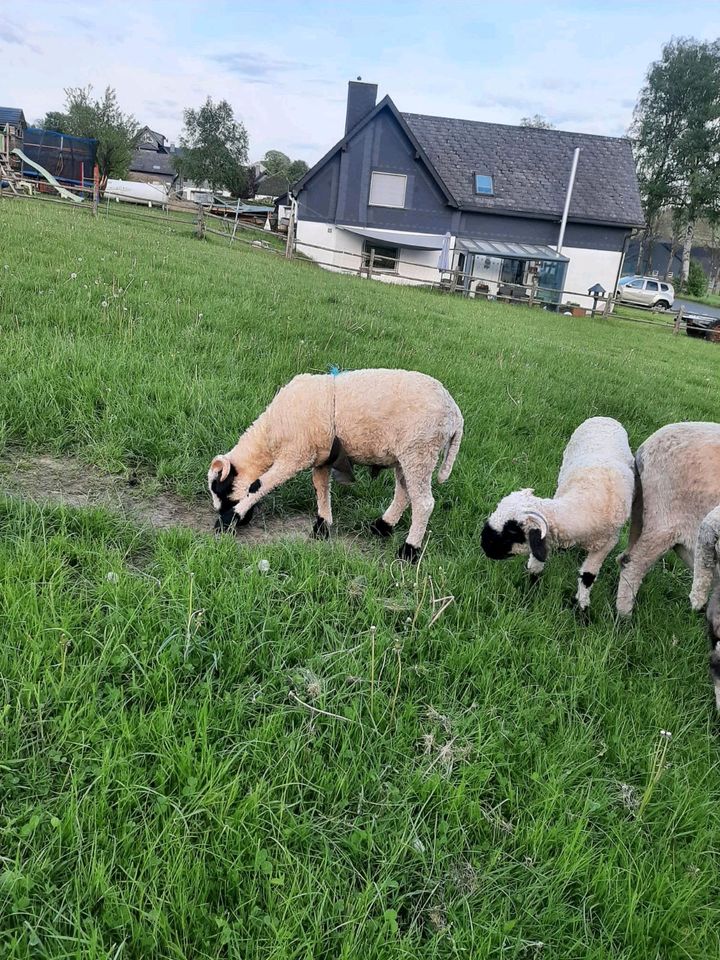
(444, 258)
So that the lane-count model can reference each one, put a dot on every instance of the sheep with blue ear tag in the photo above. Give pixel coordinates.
(328, 422)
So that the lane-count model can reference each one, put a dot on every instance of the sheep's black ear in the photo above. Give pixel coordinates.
(538, 545)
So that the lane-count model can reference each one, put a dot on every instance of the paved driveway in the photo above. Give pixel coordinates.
(699, 308)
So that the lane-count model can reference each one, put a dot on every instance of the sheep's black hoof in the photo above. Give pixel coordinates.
(381, 528)
(321, 530)
(534, 579)
(409, 553)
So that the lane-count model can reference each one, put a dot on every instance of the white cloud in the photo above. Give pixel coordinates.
(284, 68)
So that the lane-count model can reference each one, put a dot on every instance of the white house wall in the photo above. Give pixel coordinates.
(341, 250)
(585, 269)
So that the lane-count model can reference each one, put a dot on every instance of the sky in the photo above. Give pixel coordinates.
(284, 66)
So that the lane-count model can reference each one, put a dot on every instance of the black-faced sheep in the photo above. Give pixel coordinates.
(589, 509)
(384, 418)
(677, 506)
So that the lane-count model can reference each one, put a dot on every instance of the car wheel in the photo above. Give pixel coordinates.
(662, 305)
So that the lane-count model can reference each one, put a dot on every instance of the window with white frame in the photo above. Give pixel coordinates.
(384, 257)
(387, 189)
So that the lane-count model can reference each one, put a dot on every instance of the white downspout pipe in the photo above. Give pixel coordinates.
(568, 198)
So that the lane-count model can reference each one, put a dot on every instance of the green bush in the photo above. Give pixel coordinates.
(697, 282)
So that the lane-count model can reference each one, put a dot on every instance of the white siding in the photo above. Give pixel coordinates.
(345, 254)
(585, 269)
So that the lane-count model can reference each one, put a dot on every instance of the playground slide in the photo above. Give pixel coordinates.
(48, 176)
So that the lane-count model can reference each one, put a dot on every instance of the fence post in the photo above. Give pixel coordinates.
(678, 321)
(96, 190)
(608, 306)
(290, 242)
(237, 214)
(201, 222)
(371, 263)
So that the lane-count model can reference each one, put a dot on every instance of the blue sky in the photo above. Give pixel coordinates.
(284, 66)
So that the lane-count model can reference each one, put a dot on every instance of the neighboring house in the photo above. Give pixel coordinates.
(396, 183)
(12, 133)
(271, 185)
(663, 258)
(152, 160)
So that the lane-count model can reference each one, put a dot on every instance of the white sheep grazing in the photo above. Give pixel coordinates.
(677, 506)
(678, 485)
(589, 509)
(385, 418)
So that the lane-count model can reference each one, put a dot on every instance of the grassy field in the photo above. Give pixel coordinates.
(202, 760)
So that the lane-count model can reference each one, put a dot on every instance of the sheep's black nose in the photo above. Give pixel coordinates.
(228, 519)
(492, 543)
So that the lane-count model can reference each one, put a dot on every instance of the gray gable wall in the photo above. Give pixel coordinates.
(339, 191)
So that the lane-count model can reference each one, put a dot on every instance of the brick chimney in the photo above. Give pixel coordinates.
(360, 102)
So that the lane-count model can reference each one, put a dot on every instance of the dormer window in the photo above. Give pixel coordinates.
(484, 184)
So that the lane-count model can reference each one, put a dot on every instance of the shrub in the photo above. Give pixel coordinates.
(697, 282)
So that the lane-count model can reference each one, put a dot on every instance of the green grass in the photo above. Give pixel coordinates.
(710, 299)
(471, 788)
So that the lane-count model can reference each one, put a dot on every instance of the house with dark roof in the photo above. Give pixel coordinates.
(398, 189)
(12, 133)
(271, 185)
(152, 159)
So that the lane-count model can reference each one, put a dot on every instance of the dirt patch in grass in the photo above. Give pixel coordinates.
(61, 480)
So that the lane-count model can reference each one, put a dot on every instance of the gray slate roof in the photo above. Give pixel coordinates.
(13, 115)
(530, 168)
(151, 161)
(271, 185)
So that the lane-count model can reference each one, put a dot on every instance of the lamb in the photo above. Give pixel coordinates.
(677, 505)
(589, 509)
(327, 422)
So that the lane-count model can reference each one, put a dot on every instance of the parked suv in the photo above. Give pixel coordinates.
(646, 292)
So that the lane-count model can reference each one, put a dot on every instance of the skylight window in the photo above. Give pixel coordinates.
(484, 184)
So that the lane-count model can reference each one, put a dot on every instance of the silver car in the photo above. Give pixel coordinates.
(646, 292)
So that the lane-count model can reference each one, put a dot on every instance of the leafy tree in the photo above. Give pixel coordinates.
(55, 120)
(676, 126)
(103, 120)
(214, 148)
(538, 121)
(241, 183)
(278, 163)
(275, 161)
(297, 169)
